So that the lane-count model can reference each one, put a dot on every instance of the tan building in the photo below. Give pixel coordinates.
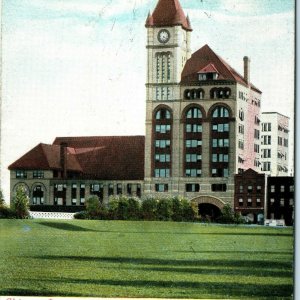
(202, 117)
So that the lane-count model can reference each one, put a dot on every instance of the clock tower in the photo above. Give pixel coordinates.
(168, 49)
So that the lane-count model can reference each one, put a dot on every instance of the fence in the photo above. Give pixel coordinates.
(51, 215)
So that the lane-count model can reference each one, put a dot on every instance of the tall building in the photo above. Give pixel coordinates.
(202, 128)
(274, 144)
(202, 116)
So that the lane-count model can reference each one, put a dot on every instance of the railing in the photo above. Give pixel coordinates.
(51, 215)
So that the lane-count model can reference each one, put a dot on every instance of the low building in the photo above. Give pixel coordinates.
(280, 199)
(72, 169)
(249, 196)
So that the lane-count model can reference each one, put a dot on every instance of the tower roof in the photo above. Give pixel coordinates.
(168, 13)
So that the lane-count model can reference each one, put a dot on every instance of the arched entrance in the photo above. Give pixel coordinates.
(209, 208)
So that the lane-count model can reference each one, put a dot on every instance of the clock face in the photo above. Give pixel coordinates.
(163, 36)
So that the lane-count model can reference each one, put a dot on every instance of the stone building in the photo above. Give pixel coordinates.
(202, 116)
(202, 128)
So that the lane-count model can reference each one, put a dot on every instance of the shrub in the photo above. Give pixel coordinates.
(134, 209)
(94, 209)
(81, 215)
(228, 216)
(164, 209)
(189, 210)
(149, 209)
(177, 208)
(20, 203)
(6, 212)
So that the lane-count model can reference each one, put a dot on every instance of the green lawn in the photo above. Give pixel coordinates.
(144, 259)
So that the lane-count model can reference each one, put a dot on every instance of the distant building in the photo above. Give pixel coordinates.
(280, 199)
(274, 144)
(249, 196)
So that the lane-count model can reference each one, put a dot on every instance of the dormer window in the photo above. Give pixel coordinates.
(208, 73)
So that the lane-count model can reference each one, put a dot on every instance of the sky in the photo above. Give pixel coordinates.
(78, 67)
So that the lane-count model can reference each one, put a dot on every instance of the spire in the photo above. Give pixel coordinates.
(168, 13)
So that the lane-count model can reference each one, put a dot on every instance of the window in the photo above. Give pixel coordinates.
(194, 113)
(249, 188)
(129, 189)
(74, 193)
(21, 174)
(258, 188)
(256, 148)
(138, 190)
(222, 143)
(220, 112)
(192, 187)
(241, 201)
(38, 195)
(241, 144)
(258, 202)
(110, 189)
(161, 187)
(282, 202)
(249, 202)
(162, 143)
(162, 172)
(162, 157)
(241, 188)
(220, 157)
(241, 115)
(292, 188)
(291, 202)
(193, 157)
(193, 172)
(256, 134)
(223, 93)
(38, 174)
(82, 194)
(193, 128)
(119, 189)
(220, 172)
(272, 201)
(193, 143)
(282, 188)
(272, 188)
(194, 94)
(266, 126)
(266, 166)
(162, 128)
(163, 114)
(220, 127)
(266, 140)
(218, 187)
(241, 128)
(280, 141)
(285, 142)
(266, 153)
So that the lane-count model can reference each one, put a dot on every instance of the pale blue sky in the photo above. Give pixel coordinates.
(78, 67)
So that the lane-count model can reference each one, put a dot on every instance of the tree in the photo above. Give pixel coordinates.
(2, 201)
(93, 206)
(20, 203)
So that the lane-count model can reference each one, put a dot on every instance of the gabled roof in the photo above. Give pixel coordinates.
(168, 13)
(105, 158)
(206, 56)
(210, 68)
(46, 157)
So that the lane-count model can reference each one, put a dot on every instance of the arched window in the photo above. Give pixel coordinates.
(220, 112)
(192, 159)
(193, 94)
(38, 195)
(163, 114)
(220, 93)
(220, 143)
(162, 137)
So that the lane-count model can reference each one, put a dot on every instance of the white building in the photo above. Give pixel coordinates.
(274, 144)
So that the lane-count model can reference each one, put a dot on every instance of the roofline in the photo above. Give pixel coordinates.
(274, 112)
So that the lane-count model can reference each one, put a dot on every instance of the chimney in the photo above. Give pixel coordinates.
(63, 159)
(247, 69)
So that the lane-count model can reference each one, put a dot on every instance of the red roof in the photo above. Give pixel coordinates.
(168, 13)
(105, 158)
(204, 57)
(210, 68)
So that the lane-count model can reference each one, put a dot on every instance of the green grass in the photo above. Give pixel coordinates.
(144, 259)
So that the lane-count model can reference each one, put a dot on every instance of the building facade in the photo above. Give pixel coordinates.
(274, 144)
(249, 197)
(202, 128)
(202, 117)
(280, 199)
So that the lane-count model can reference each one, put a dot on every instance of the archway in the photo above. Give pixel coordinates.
(209, 208)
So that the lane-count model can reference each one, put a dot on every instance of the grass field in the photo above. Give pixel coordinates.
(144, 259)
